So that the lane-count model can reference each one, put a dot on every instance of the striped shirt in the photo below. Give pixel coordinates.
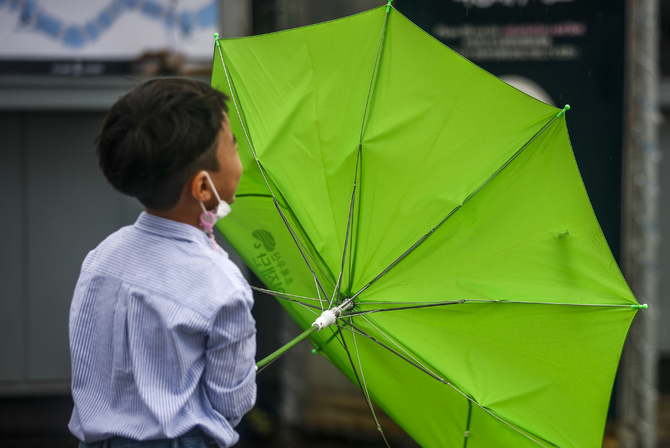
(161, 337)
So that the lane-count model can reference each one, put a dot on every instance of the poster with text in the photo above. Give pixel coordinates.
(561, 52)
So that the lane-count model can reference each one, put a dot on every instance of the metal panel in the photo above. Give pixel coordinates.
(71, 208)
(664, 250)
(12, 266)
(61, 94)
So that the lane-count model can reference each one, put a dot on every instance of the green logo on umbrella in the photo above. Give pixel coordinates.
(266, 238)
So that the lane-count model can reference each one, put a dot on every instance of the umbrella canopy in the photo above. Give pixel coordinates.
(441, 213)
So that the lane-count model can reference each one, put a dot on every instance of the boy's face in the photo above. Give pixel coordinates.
(230, 171)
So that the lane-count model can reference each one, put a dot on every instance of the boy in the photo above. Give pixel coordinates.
(161, 333)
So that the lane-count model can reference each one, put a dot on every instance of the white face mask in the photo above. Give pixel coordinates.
(221, 210)
(209, 218)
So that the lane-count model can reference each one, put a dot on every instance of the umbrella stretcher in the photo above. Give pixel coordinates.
(427, 226)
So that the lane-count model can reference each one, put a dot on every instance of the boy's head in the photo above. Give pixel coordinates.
(158, 135)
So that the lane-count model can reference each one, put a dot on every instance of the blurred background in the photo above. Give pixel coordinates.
(63, 63)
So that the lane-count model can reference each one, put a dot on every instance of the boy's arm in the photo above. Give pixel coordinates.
(230, 373)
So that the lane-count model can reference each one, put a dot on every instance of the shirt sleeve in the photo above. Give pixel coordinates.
(230, 373)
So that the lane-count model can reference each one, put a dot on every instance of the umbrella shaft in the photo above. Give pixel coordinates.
(305, 334)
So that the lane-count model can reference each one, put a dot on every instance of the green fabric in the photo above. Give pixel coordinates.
(436, 134)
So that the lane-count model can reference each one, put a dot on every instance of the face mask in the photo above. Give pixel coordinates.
(209, 218)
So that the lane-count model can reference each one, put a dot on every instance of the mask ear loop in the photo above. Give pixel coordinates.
(216, 193)
(207, 222)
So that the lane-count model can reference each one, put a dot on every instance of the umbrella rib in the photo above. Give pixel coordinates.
(467, 426)
(399, 347)
(596, 305)
(366, 392)
(355, 330)
(415, 364)
(374, 73)
(361, 384)
(262, 171)
(452, 212)
(252, 195)
(346, 237)
(500, 419)
(336, 292)
(289, 297)
(282, 294)
(325, 275)
(295, 240)
(300, 243)
(413, 307)
(448, 383)
(418, 305)
(335, 335)
(358, 156)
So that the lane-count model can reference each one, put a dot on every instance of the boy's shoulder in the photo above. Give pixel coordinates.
(187, 271)
(104, 246)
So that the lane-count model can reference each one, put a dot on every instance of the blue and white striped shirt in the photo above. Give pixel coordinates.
(161, 337)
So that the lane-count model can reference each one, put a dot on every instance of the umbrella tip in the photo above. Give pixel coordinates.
(640, 307)
(216, 39)
(564, 110)
(388, 5)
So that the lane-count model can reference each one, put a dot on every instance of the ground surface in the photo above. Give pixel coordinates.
(17, 417)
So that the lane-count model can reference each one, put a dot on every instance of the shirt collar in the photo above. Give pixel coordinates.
(170, 229)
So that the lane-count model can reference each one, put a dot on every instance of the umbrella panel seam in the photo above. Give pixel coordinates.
(263, 173)
(452, 212)
(354, 329)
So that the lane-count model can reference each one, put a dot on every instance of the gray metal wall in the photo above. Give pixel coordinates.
(56, 206)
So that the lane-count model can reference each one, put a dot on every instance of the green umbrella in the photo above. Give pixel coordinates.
(440, 214)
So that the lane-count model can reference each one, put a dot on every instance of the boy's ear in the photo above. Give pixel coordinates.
(199, 187)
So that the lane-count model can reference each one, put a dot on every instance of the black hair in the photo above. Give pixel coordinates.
(156, 136)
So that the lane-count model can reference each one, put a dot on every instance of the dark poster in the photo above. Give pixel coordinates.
(560, 51)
